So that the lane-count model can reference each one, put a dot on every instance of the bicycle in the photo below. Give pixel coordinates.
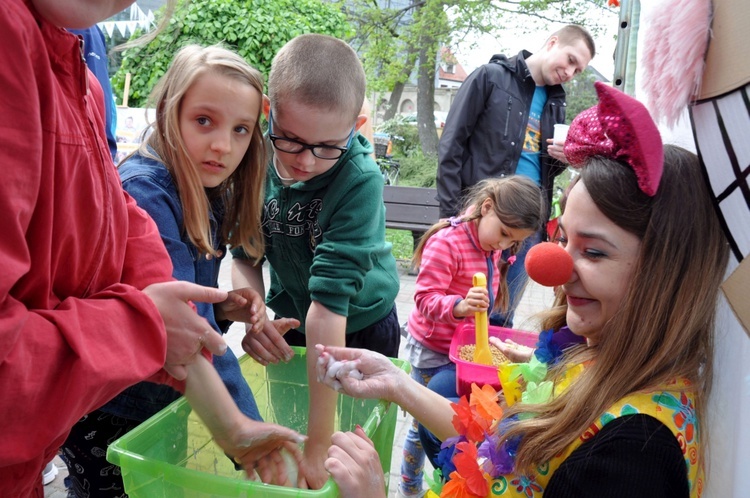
(389, 167)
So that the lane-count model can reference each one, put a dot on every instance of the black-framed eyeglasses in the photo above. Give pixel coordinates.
(292, 146)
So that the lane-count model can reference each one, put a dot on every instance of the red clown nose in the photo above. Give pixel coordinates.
(548, 264)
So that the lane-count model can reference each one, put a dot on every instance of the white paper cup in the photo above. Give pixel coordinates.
(561, 133)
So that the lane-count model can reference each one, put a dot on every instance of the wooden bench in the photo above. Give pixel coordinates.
(410, 208)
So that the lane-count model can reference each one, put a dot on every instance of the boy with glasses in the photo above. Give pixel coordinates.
(324, 226)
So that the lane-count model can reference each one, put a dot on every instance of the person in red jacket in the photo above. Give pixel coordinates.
(87, 302)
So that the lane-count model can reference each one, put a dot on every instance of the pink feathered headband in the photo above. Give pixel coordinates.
(618, 128)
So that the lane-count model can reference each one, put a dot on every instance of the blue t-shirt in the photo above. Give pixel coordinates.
(529, 163)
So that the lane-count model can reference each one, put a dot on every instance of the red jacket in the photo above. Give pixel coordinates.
(74, 327)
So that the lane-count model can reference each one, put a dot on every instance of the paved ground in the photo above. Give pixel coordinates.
(535, 298)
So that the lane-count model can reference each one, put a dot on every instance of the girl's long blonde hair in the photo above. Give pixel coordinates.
(517, 202)
(665, 327)
(242, 193)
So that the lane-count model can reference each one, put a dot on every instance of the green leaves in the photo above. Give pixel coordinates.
(255, 29)
(581, 94)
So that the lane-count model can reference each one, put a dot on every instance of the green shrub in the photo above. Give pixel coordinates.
(255, 29)
(404, 136)
(402, 243)
(418, 170)
(405, 140)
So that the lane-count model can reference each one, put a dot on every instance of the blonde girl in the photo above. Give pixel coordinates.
(200, 175)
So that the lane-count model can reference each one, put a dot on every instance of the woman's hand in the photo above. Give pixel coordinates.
(476, 300)
(268, 345)
(516, 353)
(355, 465)
(243, 305)
(187, 332)
(360, 373)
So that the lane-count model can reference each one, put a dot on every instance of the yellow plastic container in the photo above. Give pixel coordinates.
(173, 455)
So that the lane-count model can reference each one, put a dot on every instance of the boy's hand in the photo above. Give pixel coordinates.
(243, 305)
(268, 345)
(355, 465)
(313, 474)
(476, 300)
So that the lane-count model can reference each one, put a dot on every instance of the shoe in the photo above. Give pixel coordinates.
(404, 329)
(49, 473)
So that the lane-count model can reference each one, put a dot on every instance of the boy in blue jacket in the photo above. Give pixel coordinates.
(324, 225)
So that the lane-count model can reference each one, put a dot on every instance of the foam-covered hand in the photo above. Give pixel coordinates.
(360, 373)
(280, 467)
(258, 446)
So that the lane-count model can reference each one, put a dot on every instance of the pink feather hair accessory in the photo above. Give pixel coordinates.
(674, 51)
(618, 128)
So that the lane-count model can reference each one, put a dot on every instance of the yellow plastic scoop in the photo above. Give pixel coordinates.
(482, 353)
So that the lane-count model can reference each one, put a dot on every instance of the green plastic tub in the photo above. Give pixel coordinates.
(173, 455)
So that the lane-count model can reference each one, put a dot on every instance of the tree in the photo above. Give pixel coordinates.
(390, 32)
(431, 24)
(580, 94)
(256, 29)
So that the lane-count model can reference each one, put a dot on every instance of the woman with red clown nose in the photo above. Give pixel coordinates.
(620, 411)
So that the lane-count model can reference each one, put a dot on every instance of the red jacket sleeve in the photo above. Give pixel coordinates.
(75, 327)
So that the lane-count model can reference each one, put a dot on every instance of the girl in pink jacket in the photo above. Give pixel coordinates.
(499, 214)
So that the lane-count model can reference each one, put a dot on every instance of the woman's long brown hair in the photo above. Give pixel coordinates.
(665, 327)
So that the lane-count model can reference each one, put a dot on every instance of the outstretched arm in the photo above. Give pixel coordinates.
(255, 445)
(517, 353)
(370, 375)
(322, 326)
(243, 305)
